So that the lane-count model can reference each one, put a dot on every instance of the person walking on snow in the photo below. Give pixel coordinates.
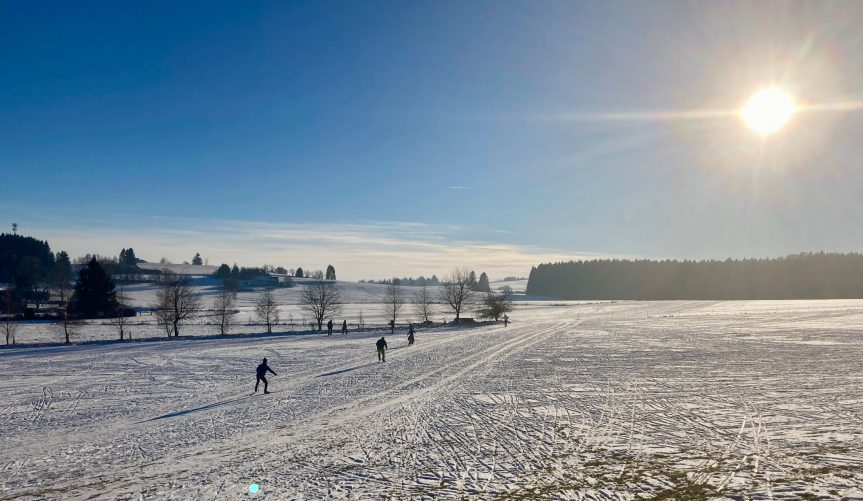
(261, 371)
(382, 349)
(344, 327)
(330, 327)
(411, 335)
(505, 320)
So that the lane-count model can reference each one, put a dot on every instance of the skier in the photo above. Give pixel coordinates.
(345, 327)
(261, 371)
(382, 349)
(392, 326)
(505, 320)
(411, 335)
(330, 327)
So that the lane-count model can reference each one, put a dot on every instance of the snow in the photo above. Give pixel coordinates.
(180, 269)
(622, 400)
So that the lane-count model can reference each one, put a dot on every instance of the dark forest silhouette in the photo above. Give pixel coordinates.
(801, 276)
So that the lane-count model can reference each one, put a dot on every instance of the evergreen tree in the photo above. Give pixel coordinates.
(197, 260)
(299, 273)
(24, 262)
(471, 281)
(94, 292)
(127, 258)
(483, 285)
(62, 268)
(331, 272)
(131, 258)
(235, 272)
(224, 272)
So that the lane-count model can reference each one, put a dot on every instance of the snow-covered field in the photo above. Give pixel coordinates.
(627, 400)
(362, 305)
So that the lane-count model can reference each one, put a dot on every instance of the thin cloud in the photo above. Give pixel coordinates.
(361, 250)
(459, 187)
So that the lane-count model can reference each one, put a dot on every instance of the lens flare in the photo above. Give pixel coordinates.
(768, 110)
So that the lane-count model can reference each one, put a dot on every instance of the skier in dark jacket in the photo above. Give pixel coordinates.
(261, 371)
(330, 327)
(411, 335)
(382, 349)
(345, 327)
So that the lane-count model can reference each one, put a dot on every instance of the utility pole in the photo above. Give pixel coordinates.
(14, 228)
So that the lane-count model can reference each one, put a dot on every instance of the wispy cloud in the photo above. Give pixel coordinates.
(459, 187)
(367, 249)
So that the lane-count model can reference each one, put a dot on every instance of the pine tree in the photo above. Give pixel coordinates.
(62, 268)
(299, 273)
(331, 272)
(483, 285)
(94, 292)
(197, 260)
(471, 281)
(235, 272)
(223, 272)
(131, 258)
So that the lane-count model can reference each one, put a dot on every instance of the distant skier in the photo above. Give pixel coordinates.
(344, 327)
(411, 335)
(382, 349)
(505, 320)
(392, 326)
(330, 327)
(261, 371)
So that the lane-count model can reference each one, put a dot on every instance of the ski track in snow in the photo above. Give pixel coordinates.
(591, 401)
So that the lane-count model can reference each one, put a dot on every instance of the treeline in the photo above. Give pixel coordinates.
(406, 281)
(475, 284)
(802, 276)
(226, 272)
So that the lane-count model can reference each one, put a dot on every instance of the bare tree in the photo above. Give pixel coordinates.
(120, 320)
(176, 302)
(162, 311)
(321, 299)
(223, 305)
(495, 305)
(10, 309)
(267, 310)
(455, 290)
(64, 294)
(393, 302)
(423, 302)
(69, 325)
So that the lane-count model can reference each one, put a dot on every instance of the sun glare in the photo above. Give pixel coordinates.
(768, 110)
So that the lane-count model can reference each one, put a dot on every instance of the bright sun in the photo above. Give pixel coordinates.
(768, 110)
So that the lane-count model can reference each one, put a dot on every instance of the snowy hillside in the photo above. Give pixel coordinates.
(674, 400)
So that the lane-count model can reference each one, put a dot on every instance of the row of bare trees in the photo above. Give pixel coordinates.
(455, 292)
(177, 303)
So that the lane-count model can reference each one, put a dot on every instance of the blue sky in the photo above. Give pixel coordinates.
(127, 124)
